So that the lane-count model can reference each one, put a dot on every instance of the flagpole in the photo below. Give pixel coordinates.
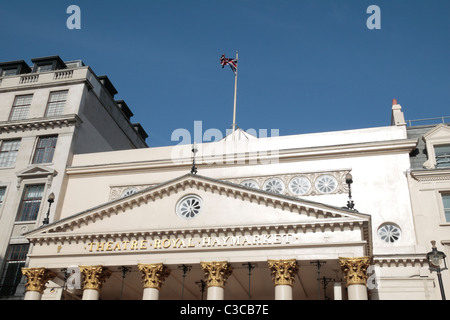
(235, 93)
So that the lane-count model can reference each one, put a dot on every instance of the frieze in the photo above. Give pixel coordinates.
(183, 243)
(293, 184)
(298, 184)
(137, 244)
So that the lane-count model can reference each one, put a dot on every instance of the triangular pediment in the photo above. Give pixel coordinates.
(225, 206)
(36, 171)
(441, 131)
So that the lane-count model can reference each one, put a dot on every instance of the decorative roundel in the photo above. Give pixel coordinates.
(389, 233)
(189, 206)
(128, 192)
(299, 185)
(250, 184)
(326, 183)
(274, 185)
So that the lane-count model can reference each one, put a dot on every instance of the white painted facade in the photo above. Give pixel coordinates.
(100, 215)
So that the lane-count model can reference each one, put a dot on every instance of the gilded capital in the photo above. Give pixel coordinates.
(355, 269)
(153, 275)
(94, 276)
(37, 278)
(217, 273)
(283, 271)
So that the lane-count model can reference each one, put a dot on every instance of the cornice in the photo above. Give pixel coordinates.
(400, 260)
(333, 225)
(431, 174)
(40, 123)
(258, 157)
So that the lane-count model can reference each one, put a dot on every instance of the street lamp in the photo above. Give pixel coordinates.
(349, 181)
(435, 259)
(51, 199)
(194, 151)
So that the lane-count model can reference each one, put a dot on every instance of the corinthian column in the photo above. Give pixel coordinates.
(36, 281)
(216, 274)
(153, 276)
(283, 276)
(355, 273)
(94, 276)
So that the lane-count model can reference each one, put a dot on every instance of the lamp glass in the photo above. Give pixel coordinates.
(435, 260)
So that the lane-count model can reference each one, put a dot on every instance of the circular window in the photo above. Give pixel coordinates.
(189, 207)
(389, 233)
(274, 185)
(250, 184)
(299, 185)
(326, 183)
(128, 192)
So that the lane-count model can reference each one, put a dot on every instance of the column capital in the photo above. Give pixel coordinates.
(37, 278)
(355, 269)
(283, 271)
(94, 276)
(153, 275)
(216, 273)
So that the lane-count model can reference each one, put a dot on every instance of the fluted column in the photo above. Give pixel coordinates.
(283, 276)
(36, 281)
(153, 275)
(355, 273)
(216, 274)
(94, 277)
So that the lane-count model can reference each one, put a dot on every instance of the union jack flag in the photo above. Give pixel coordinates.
(231, 62)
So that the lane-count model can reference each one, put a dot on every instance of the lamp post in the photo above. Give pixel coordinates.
(435, 259)
(51, 199)
(349, 181)
(194, 151)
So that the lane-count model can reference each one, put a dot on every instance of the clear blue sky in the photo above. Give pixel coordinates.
(304, 65)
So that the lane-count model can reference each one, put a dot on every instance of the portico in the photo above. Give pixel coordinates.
(231, 227)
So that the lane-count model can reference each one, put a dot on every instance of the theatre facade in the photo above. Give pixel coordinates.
(313, 216)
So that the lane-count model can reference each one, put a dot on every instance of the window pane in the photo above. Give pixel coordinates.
(56, 103)
(21, 107)
(9, 72)
(45, 149)
(15, 260)
(31, 202)
(8, 153)
(44, 67)
(446, 202)
(2, 195)
(442, 156)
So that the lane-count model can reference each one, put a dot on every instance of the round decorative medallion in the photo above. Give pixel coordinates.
(128, 192)
(189, 206)
(299, 185)
(274, 185)
(250, 184)
(326, 183)
(389, 233)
